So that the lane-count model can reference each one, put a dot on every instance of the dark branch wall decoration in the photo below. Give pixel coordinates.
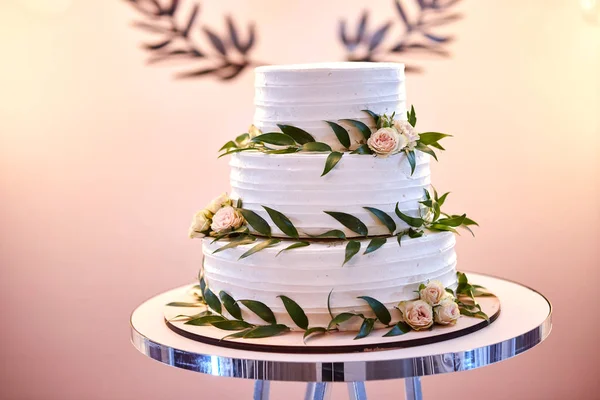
(225, 58)
(178, 34)
(417, 37)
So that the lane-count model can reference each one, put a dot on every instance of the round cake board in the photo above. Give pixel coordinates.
(333, 342)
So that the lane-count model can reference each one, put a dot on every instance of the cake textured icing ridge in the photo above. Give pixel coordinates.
(306, 96)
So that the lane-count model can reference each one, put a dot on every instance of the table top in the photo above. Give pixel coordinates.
(524, 322)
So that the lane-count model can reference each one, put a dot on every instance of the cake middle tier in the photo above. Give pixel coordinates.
(292, 184)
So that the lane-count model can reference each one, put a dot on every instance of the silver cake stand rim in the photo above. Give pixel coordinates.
(346, 371)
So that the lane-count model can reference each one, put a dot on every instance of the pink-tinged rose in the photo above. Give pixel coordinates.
(227, 219)
(386, 141)
(433, 293)
(417, 314)
(407, 131)
(200, 224)
(447, 313)
(218, 202)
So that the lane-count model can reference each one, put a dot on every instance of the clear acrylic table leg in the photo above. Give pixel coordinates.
(318, 391)
(357, 391)
(261, 390)
(412, 387)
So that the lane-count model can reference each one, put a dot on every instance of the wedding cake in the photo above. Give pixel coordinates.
(331, 212)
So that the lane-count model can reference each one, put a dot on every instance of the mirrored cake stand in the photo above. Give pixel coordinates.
(524, 322)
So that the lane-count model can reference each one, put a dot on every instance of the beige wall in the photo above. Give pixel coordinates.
(103, 160)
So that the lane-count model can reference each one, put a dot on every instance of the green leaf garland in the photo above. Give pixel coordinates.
(293, 246)
(260, 246)
(233, 325)
(361, 126)
(380, 310)
(205, 320)
(375, 244)
(340, 318)
(315, 146)
(334, 233)
(299, 135)
(412, 160)
(411, 221)
(212, 300)
(366, 328)
(256, 221)
(383, 217)
(239, 241)
(295, 312)
(266, 331)
(332, 159)
(282, 222)
(350, 222)
(230, 305)
(341, 133)
(275, 138)
(412, 116)
(317, 330)
(260, 309)
(373, 115)
(399, 329)
(352, 248)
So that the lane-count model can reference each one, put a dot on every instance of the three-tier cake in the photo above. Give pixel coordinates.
(331, 210)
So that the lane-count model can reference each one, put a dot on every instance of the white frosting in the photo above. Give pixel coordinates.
(292, 184)
(307, 275)
(306, 95)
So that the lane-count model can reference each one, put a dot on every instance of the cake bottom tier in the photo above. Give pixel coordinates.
(308, 274)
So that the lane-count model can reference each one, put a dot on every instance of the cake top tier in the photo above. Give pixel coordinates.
(307, 95)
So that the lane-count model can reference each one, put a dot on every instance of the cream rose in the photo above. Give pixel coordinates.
(218, 202)
(253, 131)
(447, 313)
(226, 219)
(407, 131)
(386, 141)
(433, 293)
(418, 314)
(200, 224)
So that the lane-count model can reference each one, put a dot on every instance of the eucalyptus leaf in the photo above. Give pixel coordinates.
(412, 221)
(316, 146)
(233, 325)
(383, 217)
(237, 335)
(256, 221)
(426, 149)
(287, 150)
(350, 222)
(312, 331)
(414, 233)
(260, 309)
(212, 300)
(412, 116)
(361, 126)
(443, 228)
(293, 246)
(184, 304)
(230, 305)
(410, 156)
(336, 233)
(282, 222)
(340, 133)
(299, 135)
(374, 244)
(366, 328)
(453, 221)
(399, 329)
(295, 311)
(276, 138)
(266, 331)
(431, 137)
(380, 310)
(332, 159)
(362, 149)
(205, 320)
(352, 248)
(260, 246)
(239, 241)
(229, 145)
(340, 318)
(442, 199)
(373, 115)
